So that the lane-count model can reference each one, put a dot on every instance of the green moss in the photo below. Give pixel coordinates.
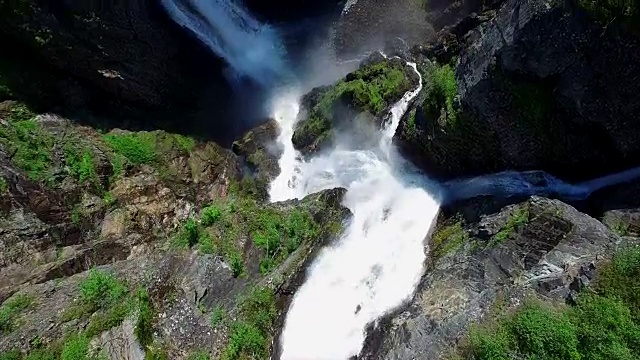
(517, 219)
(251, 332)
(448, 239)
(11, 309)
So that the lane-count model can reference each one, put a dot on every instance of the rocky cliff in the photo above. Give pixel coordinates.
(124, 243)
(526, 92)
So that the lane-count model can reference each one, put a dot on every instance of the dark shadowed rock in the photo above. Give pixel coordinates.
(129, 54)
(530, 87)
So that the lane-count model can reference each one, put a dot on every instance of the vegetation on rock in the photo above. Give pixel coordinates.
(604, 323)
(10, 310)
(371, 89)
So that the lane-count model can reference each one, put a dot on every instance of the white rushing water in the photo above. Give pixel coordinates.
(378, 261)
(251, 48)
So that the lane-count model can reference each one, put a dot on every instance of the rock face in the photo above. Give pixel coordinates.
(177, 218)
(132, 54)
(529, 95)
(480, 260)
(355, 106)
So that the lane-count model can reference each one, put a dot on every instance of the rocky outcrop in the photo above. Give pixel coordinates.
(480, 258)
(529, 95)
(165, 215)
(355, 106)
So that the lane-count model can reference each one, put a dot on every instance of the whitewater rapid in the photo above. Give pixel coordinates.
(378, 261)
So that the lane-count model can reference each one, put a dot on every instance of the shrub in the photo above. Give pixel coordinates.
(101, 289)
(81, 164)
(188, 235)
(210, 215)
(218, 316)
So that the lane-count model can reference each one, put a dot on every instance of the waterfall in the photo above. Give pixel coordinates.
(251, 49)
(378, 261)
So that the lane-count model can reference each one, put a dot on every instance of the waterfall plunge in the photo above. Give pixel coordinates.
(251, 49)
(378, 261)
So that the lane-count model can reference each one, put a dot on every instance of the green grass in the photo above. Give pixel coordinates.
(448, 239)
(147, 147)
(603, 324)
(218, 316)
(99, 291)
(251, 333)
(11, 309)
(276, 232)
(76, 348)
(518, 218)
(137, 148)
(144, 325)
(620, 228)
(81, 164)
(28, 143)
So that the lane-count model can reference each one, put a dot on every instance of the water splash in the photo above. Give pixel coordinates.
(252, 49)
(378, 261)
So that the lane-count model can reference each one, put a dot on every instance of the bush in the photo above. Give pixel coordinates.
(81, 164)
(199, 355)
(188, 235)
(210, 215)
(102, 289)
